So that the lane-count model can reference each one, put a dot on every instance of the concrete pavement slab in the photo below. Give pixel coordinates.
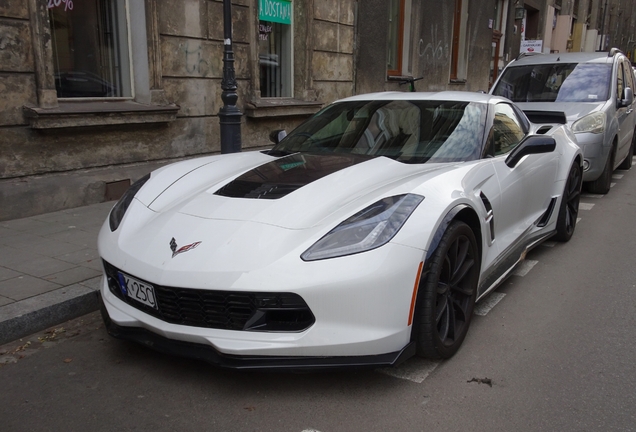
(50, 270)
(25, 286)
(6, 273)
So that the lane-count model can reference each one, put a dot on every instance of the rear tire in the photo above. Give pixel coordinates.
(602, 184)
(447, 294)
(569, 209)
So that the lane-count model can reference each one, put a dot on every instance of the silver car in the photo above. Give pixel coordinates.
(594, 90)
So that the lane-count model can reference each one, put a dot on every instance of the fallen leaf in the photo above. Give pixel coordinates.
(68, 360)
(21, 347)
(250, 408)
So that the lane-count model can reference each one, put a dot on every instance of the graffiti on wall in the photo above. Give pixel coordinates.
(194, 63)
(436, 50)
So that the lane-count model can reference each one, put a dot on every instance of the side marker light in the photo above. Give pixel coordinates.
(415, 288)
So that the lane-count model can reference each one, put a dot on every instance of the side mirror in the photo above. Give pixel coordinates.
(628, 98)
(277, 135)
(533, 144)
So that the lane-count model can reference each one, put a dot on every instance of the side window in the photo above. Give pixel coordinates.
(628, 74)
(620, 82)
(275, 48)
(91, 48)
(507, 130)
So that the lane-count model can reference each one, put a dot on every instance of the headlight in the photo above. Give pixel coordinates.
(118, 212)
(368, 229)
(594, 123)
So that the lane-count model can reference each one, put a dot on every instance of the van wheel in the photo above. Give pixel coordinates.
(602, 184)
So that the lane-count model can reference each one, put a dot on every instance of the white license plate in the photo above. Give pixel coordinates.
(139, 291)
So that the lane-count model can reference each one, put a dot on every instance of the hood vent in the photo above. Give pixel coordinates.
(283, 176)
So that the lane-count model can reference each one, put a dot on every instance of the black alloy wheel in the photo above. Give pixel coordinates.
(569, 209)
(447, 294)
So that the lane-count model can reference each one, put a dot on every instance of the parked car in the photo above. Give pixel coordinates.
(83, 84)
(595, 90)
(362, 238)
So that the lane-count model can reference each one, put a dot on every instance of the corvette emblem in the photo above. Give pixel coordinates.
(182, 249)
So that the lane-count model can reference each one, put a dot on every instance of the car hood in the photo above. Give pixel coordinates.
(573, 110)
(294, 192)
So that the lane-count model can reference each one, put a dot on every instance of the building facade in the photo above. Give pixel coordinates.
(578, 25)
(96, 93)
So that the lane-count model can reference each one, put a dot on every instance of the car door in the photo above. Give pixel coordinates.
(527, 188)
(624, 114)
(629, 122)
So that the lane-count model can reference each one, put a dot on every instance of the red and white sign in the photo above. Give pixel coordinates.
(531, 46)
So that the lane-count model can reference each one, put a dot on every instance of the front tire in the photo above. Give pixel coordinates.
(569, 209)
(447, 294)
(602, 184)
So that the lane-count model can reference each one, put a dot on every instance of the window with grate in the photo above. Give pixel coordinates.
(91, 48)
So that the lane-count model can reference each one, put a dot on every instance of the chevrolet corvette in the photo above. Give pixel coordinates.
(362, 238)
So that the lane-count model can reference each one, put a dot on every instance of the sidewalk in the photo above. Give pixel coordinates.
(49, 269)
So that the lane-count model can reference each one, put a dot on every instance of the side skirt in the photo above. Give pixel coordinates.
(507, 263)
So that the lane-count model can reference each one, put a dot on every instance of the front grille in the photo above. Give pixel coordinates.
(227, 310)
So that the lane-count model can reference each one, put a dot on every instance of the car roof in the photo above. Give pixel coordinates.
(572, 57)
(461, 96)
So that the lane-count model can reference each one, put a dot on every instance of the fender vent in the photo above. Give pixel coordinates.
(490, 218)
(548, 214)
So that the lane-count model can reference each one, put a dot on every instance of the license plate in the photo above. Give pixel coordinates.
(137, 290)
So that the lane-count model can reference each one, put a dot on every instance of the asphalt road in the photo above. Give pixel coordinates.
(557, 341)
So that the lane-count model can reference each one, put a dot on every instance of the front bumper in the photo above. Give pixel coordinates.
(288, 363)
(361, 305)
(594, 152)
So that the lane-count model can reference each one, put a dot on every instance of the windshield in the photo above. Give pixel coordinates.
(568, 82)
(407, 131)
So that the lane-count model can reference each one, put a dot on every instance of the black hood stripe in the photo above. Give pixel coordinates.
(282, 176)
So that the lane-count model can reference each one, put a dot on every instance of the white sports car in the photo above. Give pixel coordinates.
(362, 238)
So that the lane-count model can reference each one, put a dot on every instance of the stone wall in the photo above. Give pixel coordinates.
(63, 165)
(431, 24)
(332, 63)
(49, 162)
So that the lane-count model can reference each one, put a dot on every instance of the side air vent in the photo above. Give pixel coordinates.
(249, 189)
(490, 218)
(543, 130)
(543, 221)
(546, 116)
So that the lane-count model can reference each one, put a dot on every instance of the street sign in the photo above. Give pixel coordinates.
(279, 11)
